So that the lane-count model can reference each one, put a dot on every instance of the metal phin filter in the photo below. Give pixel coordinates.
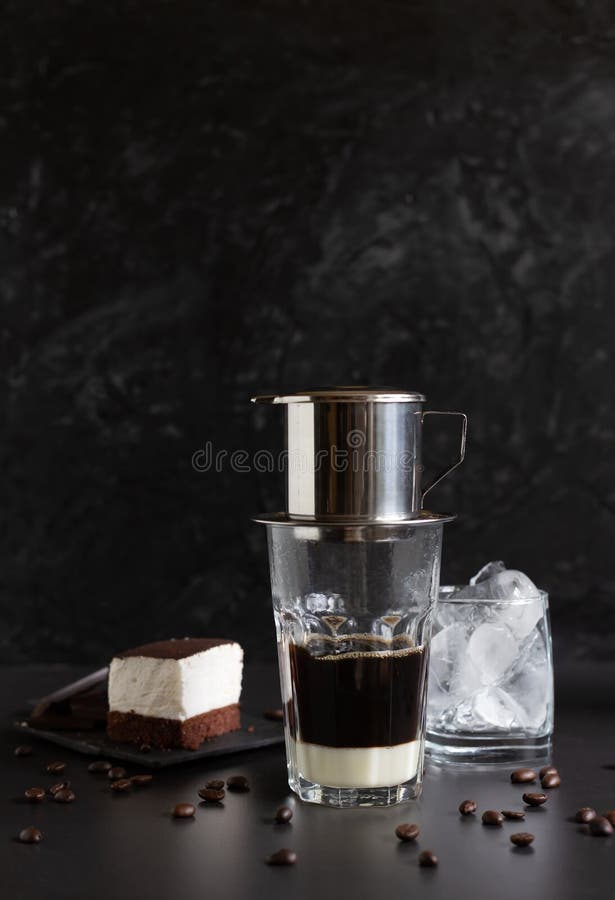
(355, 454)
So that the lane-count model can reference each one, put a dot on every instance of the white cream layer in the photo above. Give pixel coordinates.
(176, 688)
(357, 767)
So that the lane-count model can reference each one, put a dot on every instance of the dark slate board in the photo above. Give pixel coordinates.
(96, 743)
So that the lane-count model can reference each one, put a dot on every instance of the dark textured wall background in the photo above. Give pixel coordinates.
(200, 200)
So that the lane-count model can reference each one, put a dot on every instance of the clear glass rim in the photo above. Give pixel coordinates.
(446, 589)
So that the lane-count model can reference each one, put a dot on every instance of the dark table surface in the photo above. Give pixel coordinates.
(105, 845)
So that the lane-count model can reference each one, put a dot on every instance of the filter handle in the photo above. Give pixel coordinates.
(462, 448)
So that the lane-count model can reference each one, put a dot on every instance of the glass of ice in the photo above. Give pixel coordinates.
(490, 694)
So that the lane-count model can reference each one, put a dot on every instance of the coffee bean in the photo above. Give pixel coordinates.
(23, 750)
(407, 832)
(522, 839)
(600, 827)
(30, 835)
(116, 772)
(141, 780)
(610, 815)
(585, 814)
(534, 799)
(548, 770)
(55, 768)
(283, 857)
(492, 817)
(211, 795)
(283, 815)
(65, 795)
(145, 748)
(35, 795)
(183, 811)
(215, 783)
(238, 783)
(512, 814)
(467, 807)
(121, 785)
(428, 859)
(100, 767)
(275, 715)
(59, 786)
(250, 729)
(523, 776)
(550, 781)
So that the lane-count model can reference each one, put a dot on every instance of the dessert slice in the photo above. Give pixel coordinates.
(175, 693)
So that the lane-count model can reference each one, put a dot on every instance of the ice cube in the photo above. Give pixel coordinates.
(512, 585)
(495, 582)
(447, 649)
(522, 607)
(531, 683)
(492, 649)
(488, 571)
(495, 708)
(520, 616)
(480, 591)
(448, 685)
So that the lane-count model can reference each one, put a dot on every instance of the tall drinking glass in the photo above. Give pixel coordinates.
(352, 607)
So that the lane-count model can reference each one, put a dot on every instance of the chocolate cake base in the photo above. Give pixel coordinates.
(168, 734)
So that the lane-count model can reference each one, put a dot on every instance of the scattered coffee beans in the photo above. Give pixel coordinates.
(275, 715)
(116, 772)
(141, 780)
(548, 770)
(534, 799)
(512, 814)
(552, 780)
(492, 817)
(121, 785)
(238, 783)
(55, 768)
(523, 776)
(23, 750)
(467, 807)
(407, 832)
(585, 814)
(60, 786)
(211, 795)
(283, 815)
(64, 795)
(30, 835)
(610, 815)
(216, 784)
(35, 795)
(522, 839)
(283, 857)
(100, 767)
(428, 859)
(600, 827)
(183, 811)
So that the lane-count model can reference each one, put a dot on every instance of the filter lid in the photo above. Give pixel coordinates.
(344, 394)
